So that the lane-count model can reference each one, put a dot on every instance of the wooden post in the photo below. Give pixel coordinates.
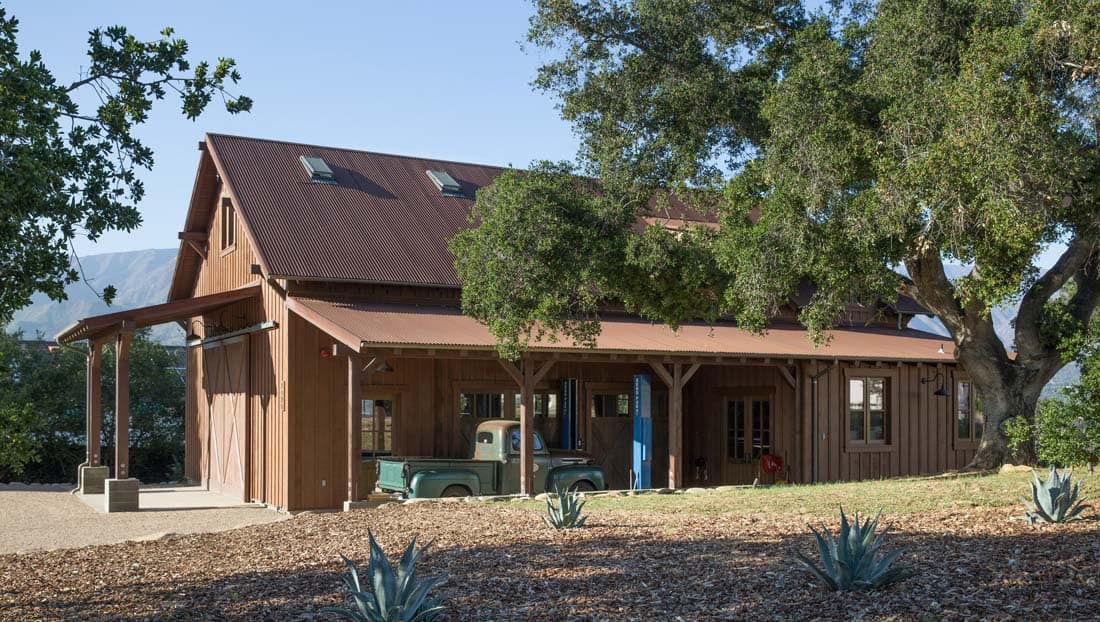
(94, 401)
(675, 382)
(355, 425)
(122, 402)
(527, 431)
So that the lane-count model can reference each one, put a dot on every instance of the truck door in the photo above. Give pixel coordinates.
(510, 471)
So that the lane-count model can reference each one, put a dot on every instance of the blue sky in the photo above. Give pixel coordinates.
(433, 79)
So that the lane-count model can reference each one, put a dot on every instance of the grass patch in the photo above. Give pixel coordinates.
(894, 496)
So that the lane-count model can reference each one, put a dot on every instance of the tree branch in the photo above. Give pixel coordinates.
(1073, 261)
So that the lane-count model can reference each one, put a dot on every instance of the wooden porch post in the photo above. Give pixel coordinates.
(355, 424)
(94, 401)
(122, 402)
(675, 382)
(526, 377)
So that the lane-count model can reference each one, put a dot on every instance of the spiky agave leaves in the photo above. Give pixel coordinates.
(1054, 501)
(852, 560)
(566, 514)
(391, 596)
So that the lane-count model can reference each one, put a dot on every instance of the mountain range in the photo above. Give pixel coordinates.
(142, 278)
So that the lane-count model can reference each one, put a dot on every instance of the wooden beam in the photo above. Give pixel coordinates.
(786, 373)
(94, 402)
(513, 371)
(676, 427)
(122, 401)
(198, 247)
(689, 373)
(662, 373)
(542, 370)
(354, 427)
(196, 236)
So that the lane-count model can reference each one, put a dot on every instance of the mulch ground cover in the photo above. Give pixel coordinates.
(502, 563)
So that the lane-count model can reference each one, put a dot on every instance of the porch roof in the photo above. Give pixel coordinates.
(364, 325)
(98, 326)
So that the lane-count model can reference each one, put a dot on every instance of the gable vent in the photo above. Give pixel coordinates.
(318, 170)
(446, 184)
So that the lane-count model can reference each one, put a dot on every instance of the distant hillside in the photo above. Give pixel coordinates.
(141, 278)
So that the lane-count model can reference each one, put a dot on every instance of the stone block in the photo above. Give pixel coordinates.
(92, 479)
(121, 495)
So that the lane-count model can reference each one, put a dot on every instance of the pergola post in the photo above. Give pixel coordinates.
(675, 382)
(526, 377)
(122, 490)
(355, 427)
(92, 474)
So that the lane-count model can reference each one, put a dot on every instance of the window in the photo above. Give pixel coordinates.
(969, 413)
(867, 412)
(748, 428)
(228, 226)
(514, 437)
(611, 405)
(481, 405)
(377, 428)
(546, 405)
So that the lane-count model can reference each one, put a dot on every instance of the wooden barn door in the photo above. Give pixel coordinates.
(611, 431)
(226, 376)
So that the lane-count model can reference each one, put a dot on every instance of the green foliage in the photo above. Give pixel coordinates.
(67, 171)
(389, 596)
(563, 510)
(852, 560)
(1056, 500)
(42, 410)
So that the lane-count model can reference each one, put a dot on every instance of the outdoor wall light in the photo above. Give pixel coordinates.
(942, 390)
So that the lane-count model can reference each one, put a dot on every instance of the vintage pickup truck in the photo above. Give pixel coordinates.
(494, 469)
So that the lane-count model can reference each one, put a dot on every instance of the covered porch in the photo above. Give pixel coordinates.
(706, 381)
(117, 491)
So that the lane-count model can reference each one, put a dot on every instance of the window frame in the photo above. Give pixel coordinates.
(509, 409)
(891, 396)
(227, 227)
(379, 432)
(747, 444)
(963, 442)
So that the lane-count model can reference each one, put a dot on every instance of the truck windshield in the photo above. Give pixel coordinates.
(515, 441)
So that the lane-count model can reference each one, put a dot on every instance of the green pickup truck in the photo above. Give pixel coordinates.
(494, 469)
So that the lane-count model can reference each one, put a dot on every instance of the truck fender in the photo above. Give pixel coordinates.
(430, 484)
(566, 476)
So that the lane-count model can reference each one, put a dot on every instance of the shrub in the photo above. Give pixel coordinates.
(1054, 501)
(566, 513)
(852, 560)
(389, 597)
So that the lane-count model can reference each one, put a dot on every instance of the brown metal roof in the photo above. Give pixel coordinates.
(362, 324)
(384, 221)
(102, 325)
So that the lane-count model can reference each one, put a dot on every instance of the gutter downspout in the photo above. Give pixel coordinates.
(814, 441)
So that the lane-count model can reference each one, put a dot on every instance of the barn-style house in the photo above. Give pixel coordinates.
(324, 331)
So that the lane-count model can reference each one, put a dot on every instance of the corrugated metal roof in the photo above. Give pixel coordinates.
(419, 326)
(384, 221)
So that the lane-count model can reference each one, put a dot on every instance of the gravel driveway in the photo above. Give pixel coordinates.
(38, 519)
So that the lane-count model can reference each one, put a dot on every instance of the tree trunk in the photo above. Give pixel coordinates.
(1004, 395)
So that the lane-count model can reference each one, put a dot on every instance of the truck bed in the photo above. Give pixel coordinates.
(391, 471)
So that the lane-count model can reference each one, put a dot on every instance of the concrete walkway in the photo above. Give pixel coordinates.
(157, 498)
(45, 518)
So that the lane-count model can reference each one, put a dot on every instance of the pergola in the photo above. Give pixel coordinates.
(121, 491)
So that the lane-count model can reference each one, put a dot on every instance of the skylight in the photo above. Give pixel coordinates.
(446, 184)
(318, 170)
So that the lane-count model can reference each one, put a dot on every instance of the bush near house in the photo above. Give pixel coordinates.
(42, 411)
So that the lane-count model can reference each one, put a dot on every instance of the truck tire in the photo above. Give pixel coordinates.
(582, 486)
(455, 490)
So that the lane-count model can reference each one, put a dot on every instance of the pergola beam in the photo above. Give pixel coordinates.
(675, 380)
(122, 400)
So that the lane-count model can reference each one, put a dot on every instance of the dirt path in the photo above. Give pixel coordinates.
(51, 518)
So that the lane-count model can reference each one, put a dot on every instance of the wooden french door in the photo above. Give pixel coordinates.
(379, 410)
(749, 436)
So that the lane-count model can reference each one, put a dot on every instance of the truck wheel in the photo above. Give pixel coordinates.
(455, 490)
(582, 486)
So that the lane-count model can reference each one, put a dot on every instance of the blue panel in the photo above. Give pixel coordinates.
(569, 413)
(643, 434)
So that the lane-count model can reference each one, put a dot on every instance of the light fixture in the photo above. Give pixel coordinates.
(384, 368)
(942, 390)
(940, 351)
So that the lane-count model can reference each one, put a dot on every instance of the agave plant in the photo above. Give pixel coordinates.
(1054, 501)
(852, 560)
(389, 597)
(566, 513)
